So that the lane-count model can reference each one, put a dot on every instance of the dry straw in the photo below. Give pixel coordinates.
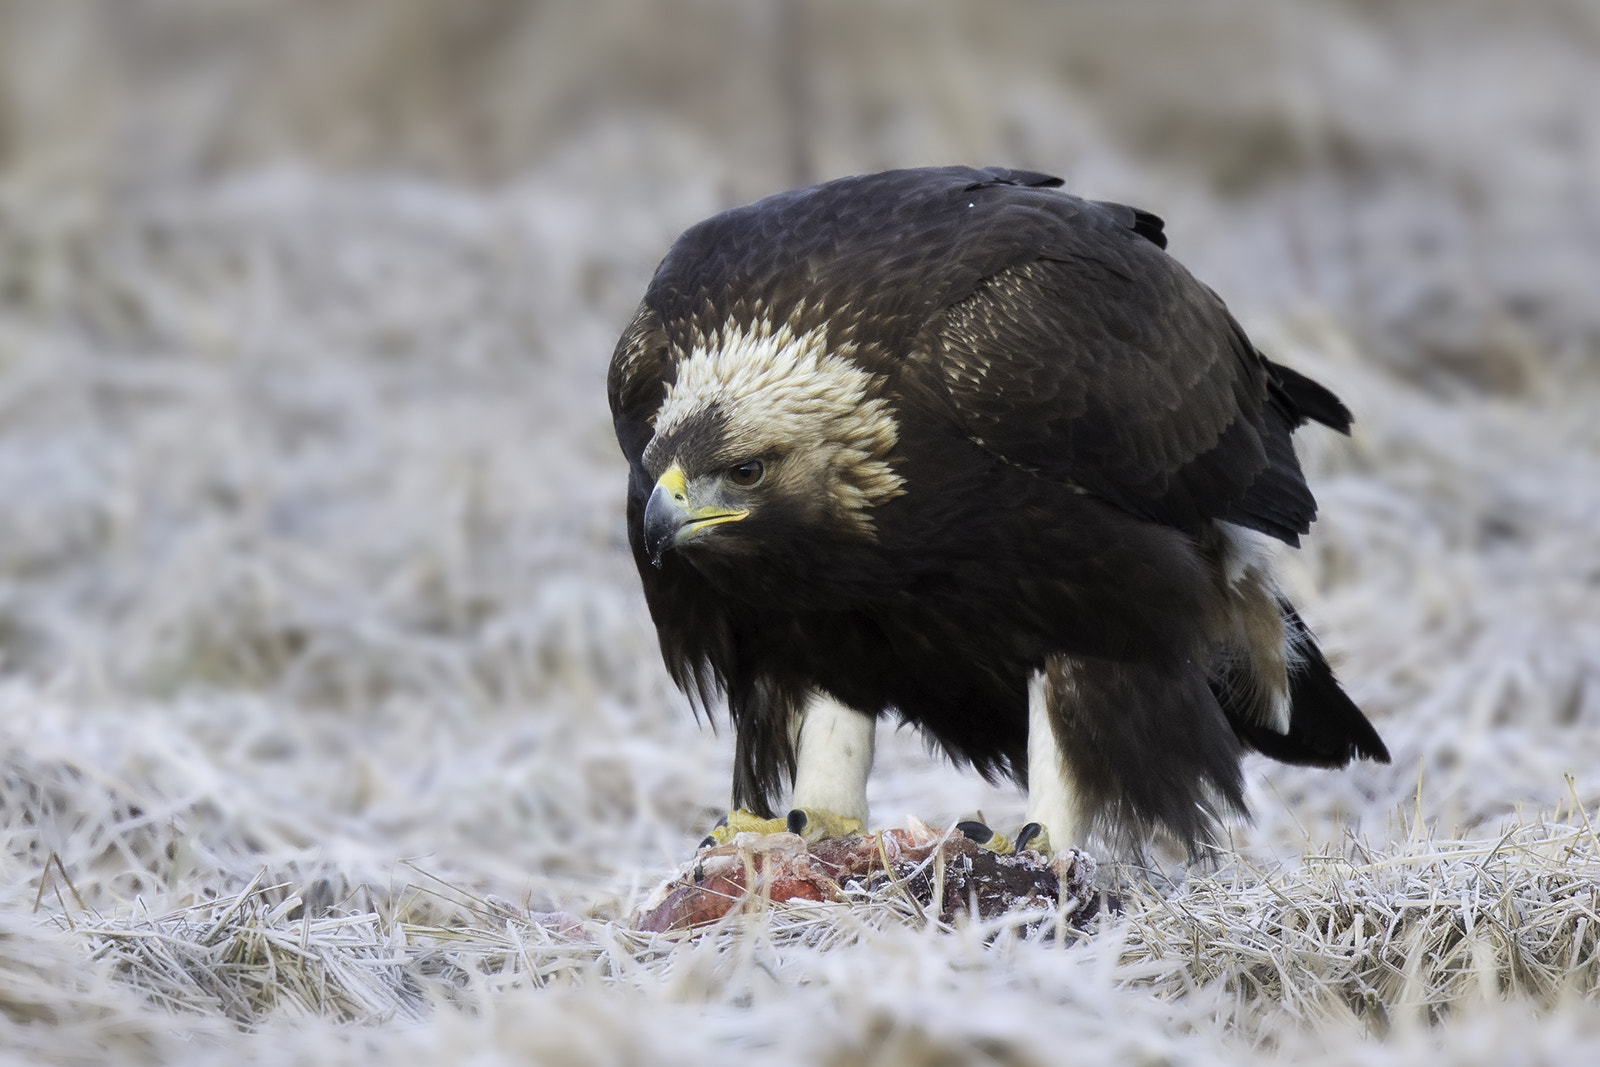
(1370, 939)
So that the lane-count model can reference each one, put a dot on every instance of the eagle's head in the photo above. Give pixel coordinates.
(766, 434)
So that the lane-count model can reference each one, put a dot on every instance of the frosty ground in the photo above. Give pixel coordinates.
(334, 724)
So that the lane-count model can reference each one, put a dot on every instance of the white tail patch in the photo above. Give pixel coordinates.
(1246, 550)
(1259, 630)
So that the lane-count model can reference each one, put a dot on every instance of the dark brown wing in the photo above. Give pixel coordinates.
(1099, 361)
(636, 382)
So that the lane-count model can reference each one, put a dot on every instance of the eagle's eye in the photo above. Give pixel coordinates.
(747, 474)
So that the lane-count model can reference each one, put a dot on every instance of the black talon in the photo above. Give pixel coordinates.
(796, 821)
(710, 840)
(1027, 834)
(975, 831)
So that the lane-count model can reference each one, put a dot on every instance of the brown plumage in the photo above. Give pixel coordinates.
(990, 431)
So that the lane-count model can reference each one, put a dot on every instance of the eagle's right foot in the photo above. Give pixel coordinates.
(813, 824)
(740, 821)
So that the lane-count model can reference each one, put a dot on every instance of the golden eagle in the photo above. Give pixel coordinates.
(956, 446)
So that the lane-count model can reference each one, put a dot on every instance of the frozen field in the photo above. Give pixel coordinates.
(332, 727)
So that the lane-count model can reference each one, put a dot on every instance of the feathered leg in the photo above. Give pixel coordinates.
(833, 759)
(1143, 746)
(1055, 803)
(834, 746)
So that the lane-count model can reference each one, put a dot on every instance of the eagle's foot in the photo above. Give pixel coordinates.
(984, 837)
(740, 821)
(1032, 837)
(815, 825)
(812, 824)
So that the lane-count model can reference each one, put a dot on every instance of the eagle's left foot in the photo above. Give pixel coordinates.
(812, 824)
(740, 821)
(1032, 836)
(815, 825)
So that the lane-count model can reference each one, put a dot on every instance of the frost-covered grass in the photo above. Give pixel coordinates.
(332, 726)
(334, 712)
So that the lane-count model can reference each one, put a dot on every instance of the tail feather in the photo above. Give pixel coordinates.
(1326, 728)
(1278, 502)
(1306, 399)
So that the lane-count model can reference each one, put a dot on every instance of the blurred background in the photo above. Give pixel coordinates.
(1426, 169)
(312, 565)
(311, 550)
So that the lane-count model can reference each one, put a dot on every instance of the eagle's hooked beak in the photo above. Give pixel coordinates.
(670, 517)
